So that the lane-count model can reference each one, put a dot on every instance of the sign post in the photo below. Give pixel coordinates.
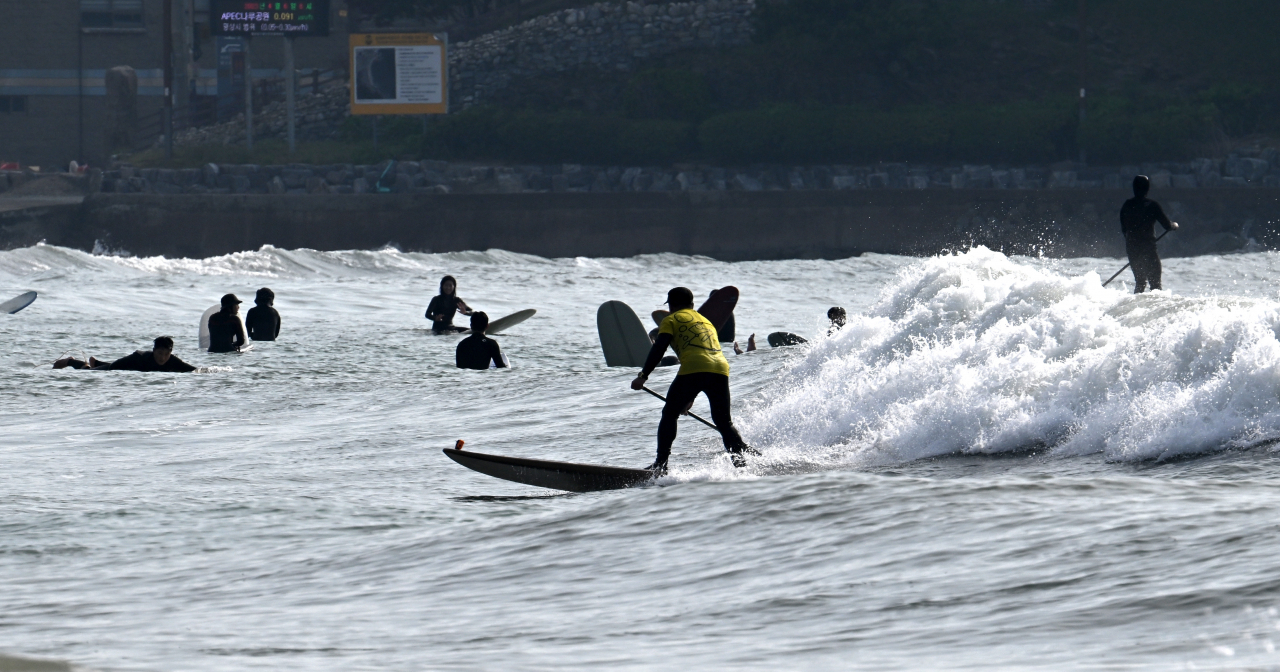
(258, 17)
(399, 73)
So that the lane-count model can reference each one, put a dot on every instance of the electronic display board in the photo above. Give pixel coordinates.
(252, 17)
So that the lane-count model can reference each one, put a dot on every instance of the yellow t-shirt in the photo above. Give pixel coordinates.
(696, 342)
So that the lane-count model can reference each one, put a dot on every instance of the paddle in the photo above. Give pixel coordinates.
(1127, 265)
(695, 417)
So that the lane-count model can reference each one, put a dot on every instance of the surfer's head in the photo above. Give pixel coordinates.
(837, 316)
(679, 298)
(163, 349)
(479, 322)
(230, 303)
(265, 297)
(1141, 185)
(448, 286)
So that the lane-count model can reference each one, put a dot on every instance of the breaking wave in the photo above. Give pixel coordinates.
(977, 353)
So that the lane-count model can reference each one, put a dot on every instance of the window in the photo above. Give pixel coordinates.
(111, 13)
(13, 104)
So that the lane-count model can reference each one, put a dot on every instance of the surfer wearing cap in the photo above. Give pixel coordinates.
(703, 369)
(1138, 216)
(262, 320)
(226, 331)
(477, 350)
(158, 359)
(443, 306)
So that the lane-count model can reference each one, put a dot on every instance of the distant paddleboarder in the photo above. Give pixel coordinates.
(477, 350)
(443, 307)
(703, 369)
(160, 358)
(1138, 216)
(262, 321)
(226, 331)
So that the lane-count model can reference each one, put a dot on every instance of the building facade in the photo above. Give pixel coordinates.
(54, 56)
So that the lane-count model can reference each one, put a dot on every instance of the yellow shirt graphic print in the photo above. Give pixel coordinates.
(696, 342)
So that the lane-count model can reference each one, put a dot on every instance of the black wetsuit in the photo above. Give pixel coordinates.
(476, 351)
(445, 307)
(226, 332)
(1138, 216)
(684, 389)
(263, 323)
(144, 360)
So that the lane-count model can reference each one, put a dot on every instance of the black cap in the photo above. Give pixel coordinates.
(230, 300)
(680, 296)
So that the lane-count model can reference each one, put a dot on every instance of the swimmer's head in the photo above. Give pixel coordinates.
(1141, 185)
(479, 322)
(265, 297)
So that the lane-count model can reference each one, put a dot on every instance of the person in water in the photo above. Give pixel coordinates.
(838, 319)
(443, 306)
(703, 369)
(226, 331)
(1138, 216)
(262, 321)
(477, 350)
(160, 358)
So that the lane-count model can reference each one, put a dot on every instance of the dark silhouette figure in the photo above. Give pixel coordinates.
(1138, 216)
(477, 350)
(263, 322)
(226, 331)
(444, 305)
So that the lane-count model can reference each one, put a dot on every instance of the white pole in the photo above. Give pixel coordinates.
(289, 81)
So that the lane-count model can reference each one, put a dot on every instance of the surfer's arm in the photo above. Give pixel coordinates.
(655, 356)
(464, 308)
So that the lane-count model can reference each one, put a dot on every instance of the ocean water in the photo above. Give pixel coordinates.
(996, 464)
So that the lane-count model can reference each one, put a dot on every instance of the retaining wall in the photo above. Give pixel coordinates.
(723, 225)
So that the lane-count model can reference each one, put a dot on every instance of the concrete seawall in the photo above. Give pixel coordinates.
(723, 225)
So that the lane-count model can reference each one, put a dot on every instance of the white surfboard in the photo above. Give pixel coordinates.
(205, 340)
(504, 361)
(503, 323)
(17, 303)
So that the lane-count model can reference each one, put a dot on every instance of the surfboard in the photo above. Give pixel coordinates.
(205, 340)
(503, 323)
(719, 307)
(622, 335)
(553, 475)
(17, 303)
(780, 339)
(659, 315)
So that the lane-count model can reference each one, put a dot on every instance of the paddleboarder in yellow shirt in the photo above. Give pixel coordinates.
(703, 369)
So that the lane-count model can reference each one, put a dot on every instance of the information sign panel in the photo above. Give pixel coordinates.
(254, 17)
(398, 73)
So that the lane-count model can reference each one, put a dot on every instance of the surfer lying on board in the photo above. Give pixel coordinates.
(703, 368)
(159, 359)
(477, 350)
(443, 306)
(226, 331)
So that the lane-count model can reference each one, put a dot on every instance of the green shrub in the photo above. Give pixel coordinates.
(1118, 130)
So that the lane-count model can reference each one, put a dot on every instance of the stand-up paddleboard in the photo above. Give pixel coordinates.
(719, 307)
(622, 335)
(205, 339)
(17, 303)
(504, 323)
(548, 474)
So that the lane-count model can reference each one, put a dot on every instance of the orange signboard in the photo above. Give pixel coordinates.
(399, 73)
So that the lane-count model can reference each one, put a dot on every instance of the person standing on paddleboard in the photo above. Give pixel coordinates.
(477, 350)
(703, 369)
(1138, 216)
(443, 306)
(226, 331)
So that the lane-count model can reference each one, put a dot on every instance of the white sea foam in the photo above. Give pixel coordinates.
(978, 353)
